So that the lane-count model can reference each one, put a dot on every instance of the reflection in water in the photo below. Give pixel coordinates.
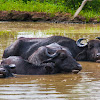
(89, 86)
(38, 87)
(85, 85)
(82, 86)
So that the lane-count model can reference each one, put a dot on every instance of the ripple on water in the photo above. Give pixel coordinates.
(82, 86)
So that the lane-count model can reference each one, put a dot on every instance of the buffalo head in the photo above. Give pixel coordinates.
(91, 50)
(24, 67)
(64, 62)
(5, 70)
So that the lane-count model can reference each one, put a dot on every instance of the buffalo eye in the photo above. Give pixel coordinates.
(63, 56)
(90, 46)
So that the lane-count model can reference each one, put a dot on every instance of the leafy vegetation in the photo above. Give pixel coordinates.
(91, 9)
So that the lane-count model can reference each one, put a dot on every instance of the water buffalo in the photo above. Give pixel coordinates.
(90, 52)
(57, 54)
(5, 70)
(25, 47)
(23, 67)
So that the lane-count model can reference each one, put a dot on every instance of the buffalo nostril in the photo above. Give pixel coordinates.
(4, 70)
(98, 54)
(79, 67)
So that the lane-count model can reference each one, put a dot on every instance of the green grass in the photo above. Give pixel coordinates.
(7, 34)
(32, 6)
(91, 9)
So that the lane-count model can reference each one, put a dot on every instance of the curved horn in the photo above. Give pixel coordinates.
(51, 55)
(98, 38)
(80, 44)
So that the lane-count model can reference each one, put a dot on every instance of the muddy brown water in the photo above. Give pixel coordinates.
(82, 86)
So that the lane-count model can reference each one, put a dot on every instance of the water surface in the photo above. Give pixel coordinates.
(82, 86)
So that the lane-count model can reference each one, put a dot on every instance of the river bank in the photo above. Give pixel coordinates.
(43, 17)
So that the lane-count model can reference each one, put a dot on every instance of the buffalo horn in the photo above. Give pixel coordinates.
(79, 44)
(98, 38)
(51, 55)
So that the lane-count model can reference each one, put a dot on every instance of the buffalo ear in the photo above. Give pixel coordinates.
(81, 56)
(12, 66)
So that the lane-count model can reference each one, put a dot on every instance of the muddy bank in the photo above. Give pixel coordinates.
(42, 17)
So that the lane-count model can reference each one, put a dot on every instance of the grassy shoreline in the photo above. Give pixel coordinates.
(50, 7)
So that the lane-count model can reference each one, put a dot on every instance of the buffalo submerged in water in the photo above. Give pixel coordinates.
(28, 47)
(49, 59)
(25, 47)
(23, 67)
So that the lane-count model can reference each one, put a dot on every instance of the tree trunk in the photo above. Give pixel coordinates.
(80, 8)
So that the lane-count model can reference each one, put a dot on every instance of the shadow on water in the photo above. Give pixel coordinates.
(82, 86)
